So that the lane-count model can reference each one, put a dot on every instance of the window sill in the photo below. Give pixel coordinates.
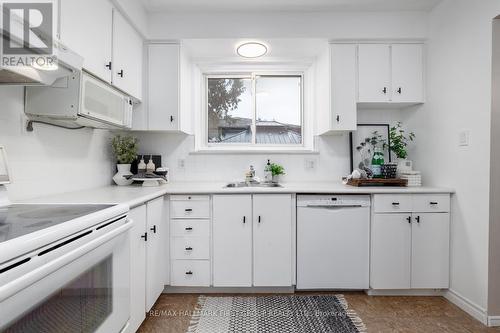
(247, 151)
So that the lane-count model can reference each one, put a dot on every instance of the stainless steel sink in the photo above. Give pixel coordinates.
(253, 184)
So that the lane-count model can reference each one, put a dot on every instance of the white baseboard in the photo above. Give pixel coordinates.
(405, 292)
(493, 321)
(230, 290)
(468, 306)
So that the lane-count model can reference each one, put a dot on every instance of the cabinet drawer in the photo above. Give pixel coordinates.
(190, 209)
(188, 197)
(196, 228)
(190, 248)
(191, 273)
(431, 203)
(392, 203)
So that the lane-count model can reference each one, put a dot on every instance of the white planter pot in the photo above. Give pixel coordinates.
(404, 165)
(123, 170)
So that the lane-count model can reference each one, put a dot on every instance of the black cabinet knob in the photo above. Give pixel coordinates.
(145, 236)
(189, 273)
(188, 209)
(120, 73)
(258, 219)
(417, 219)
(338, 118)
(108, 65)
(384, 90)
(399, 90)
(395, 203)
(153, 229)
(189, 228)
(433, 203)
(189, 248)
(171, 119)
(408, 219)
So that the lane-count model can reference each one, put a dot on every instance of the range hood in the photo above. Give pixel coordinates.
(20, 71)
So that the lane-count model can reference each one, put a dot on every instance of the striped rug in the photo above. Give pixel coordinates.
(275, 314)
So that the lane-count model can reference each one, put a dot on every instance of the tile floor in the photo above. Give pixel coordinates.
(171, 314)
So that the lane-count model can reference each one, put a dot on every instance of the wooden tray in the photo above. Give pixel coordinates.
(378, 182)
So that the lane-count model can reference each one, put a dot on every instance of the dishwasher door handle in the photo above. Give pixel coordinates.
(333, 207)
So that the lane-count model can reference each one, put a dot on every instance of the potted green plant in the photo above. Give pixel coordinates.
(276, 170)
(125, 151)
(399, 141)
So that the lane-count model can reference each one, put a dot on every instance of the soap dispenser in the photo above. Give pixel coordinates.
(268, 175)
(150, 167)
(141, 166)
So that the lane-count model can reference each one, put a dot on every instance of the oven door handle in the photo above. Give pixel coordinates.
(14, 286)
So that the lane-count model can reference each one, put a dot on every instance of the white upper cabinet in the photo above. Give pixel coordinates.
(336, 89)
(91, 40)
(112, 49)
(374, 73)
(127, 57)
(391, 73)
(169, 89)
(407, 73)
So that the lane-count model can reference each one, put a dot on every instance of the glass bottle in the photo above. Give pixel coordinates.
(377, 161)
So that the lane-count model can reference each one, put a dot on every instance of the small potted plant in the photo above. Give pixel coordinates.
(277, 170)
(399, 140)
(125, 150)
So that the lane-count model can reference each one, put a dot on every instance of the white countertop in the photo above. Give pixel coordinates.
(137, 195)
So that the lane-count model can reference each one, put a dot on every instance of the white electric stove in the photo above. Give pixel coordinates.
(63, 267)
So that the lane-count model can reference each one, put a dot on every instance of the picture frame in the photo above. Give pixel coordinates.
(363, 131)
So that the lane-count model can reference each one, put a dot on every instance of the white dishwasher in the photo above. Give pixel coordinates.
(333, 241)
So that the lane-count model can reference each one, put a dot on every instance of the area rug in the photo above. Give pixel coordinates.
(275, 314)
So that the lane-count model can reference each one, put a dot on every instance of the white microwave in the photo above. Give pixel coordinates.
(80, 100)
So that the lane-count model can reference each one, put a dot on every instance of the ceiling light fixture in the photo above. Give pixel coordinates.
(251, 50)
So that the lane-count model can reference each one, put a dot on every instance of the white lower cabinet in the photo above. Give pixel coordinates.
(147, 262)
(155, 251)
(252, 240)
(232, 240)
(190, 240)
(410, 250)
(272, 246)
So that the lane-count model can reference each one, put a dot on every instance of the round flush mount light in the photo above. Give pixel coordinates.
(251, 50)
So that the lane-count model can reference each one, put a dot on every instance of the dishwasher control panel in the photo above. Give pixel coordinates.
(326, 200)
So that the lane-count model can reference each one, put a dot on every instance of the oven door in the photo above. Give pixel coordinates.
(84, 290)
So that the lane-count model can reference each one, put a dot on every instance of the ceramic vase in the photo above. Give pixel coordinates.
(404, 165)
(123, 170)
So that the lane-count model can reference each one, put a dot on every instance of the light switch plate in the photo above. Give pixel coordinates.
(463, 138)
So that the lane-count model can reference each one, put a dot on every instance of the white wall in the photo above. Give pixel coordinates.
(459, 98)
(332, 162)
(50, 160)
(178, 25)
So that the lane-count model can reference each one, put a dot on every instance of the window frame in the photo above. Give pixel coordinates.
(253, 75)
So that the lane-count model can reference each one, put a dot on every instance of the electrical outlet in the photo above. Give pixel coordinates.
(181, 163)
(310, 163)
(463, 138)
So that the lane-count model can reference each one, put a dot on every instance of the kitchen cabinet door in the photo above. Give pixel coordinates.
(407, 73)
(86, 28)
(163, 92)
(127, 57)
(137, 268)
(390, 251)
(374, 73)
(343, 87)
(155, 252)
(430, 250)
(232, 240)
(272, 246)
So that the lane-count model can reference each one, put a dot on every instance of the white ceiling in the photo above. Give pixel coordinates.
(225, 49)
(289, 5)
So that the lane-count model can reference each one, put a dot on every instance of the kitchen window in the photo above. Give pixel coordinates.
(254, 110)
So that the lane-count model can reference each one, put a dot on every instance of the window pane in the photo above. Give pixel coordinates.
(278, 104)
(230, 110)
